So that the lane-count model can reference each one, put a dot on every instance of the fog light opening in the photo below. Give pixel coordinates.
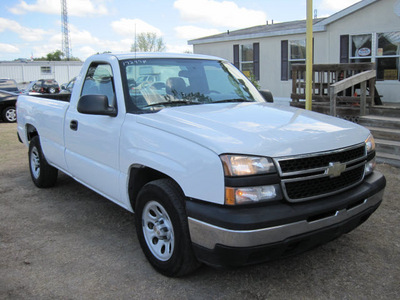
(247, 195)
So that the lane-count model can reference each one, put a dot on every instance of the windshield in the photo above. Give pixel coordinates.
(153, 84)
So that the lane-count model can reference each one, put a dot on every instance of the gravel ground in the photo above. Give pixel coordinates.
(67, 242)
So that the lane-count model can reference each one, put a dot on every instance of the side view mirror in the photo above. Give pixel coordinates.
(96, 105)
(267, 95)
(62, 87)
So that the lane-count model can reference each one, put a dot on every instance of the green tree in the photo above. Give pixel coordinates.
(148, 42)
(253, 80)
(56, 56)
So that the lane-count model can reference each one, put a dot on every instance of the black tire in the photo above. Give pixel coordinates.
(162, 228)
(9, 114)
(43, 175)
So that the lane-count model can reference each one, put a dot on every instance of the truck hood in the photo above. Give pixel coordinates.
(256, 128)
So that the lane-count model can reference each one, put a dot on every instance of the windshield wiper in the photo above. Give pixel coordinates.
(232, 100)
(172, 103)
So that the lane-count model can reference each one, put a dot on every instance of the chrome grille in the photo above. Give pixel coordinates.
(323, 160)
(311, 176)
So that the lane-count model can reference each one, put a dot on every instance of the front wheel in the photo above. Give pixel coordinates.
(162, 229)
(9, 114)
(43, 175)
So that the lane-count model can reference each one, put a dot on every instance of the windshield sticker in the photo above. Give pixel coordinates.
(134, 62)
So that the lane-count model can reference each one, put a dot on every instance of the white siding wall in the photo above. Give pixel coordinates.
(224, 50)
(63, 74)
(26, 72)
(12, 72)
(377, 17)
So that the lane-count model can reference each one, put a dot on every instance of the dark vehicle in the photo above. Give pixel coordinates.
(43, 86)
(8, 85)
(8, 97)
(67, 88)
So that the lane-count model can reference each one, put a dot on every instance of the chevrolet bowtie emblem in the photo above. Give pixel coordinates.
(335, 169)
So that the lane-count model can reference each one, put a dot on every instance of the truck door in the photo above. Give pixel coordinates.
(92, 141)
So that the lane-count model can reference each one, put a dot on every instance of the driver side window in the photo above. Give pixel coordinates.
(99, 80)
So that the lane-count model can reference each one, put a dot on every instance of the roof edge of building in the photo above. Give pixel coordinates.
(319, 26)
(226, 37)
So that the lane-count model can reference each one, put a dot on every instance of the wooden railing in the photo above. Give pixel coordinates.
(358, 79)
(336, 87)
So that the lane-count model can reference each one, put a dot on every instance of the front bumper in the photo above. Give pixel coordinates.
(238, 236)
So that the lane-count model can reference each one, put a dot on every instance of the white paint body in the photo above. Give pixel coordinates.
(181, 142)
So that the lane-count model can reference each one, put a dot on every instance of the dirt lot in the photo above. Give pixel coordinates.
(69, 243)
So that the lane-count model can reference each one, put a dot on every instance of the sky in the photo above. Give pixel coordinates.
(32, 28)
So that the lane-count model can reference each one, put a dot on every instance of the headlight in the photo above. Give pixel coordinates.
(370, 143)
(242, 165)
(371, 163)
(239, 165)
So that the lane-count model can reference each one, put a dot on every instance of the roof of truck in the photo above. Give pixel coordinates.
(147, 55)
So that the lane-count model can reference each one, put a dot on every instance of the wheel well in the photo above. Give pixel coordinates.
(139, 176)
(31, 132)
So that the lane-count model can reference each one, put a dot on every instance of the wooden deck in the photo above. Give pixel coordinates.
(348, 91)
(342, 90)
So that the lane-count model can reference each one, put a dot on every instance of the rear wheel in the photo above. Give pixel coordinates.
(162, 229)
(43, 175)
(9, 114)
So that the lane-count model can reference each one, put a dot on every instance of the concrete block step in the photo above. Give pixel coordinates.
(379, 121)
(386, 146)
(386, 110)
(385, 133)
(387, 158)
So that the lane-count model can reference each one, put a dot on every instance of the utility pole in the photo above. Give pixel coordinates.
(309, 55)
(64, 30)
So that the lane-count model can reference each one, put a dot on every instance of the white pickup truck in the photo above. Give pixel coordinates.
(213, 172)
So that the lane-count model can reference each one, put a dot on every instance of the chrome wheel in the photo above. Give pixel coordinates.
(158, 230)
(162, 229)
(35, 162)
(11, 115)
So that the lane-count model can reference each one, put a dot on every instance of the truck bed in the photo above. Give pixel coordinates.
(61, 97)
(46, 115)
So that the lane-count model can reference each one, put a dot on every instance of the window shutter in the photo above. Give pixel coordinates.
(344, 49)
(285, 60)
(313, 52)
(256, 61)
(236, 56)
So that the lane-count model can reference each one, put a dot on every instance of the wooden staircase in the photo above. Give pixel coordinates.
(345, 91)
(384, 124)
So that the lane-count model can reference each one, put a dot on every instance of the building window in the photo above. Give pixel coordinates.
(361, 48)
(45, 70)
(292, 52)
(297, 53)
(247, 59)
(388, 56)
(381, 48)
